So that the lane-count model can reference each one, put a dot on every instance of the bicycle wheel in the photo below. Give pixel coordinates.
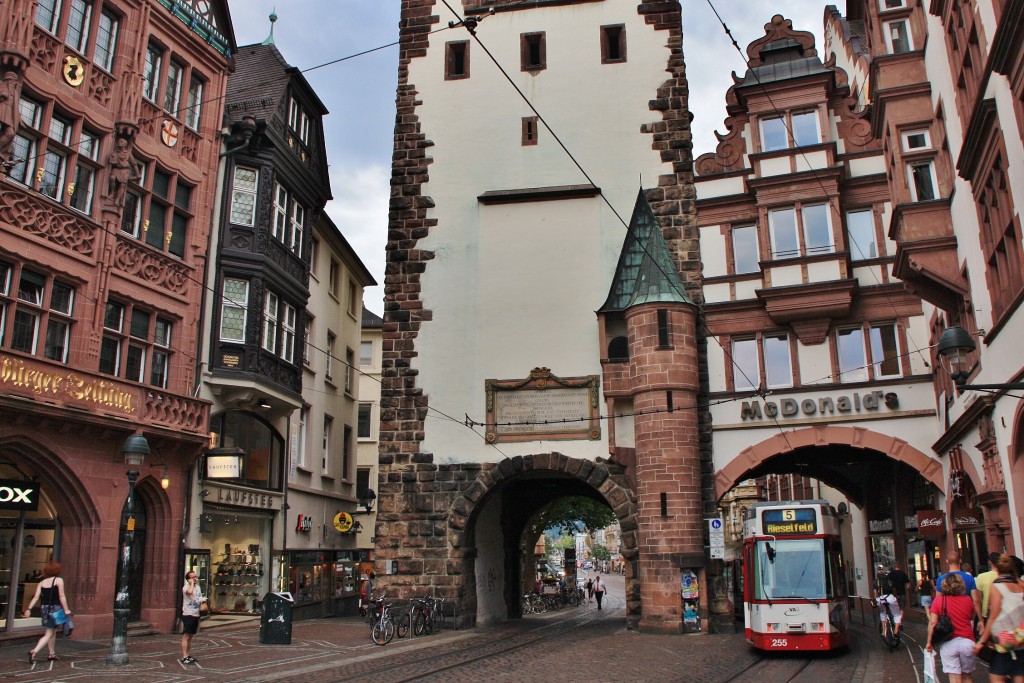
(402, 625)
(428, 623)
(527, 606)
(383, 631)
(418, 623)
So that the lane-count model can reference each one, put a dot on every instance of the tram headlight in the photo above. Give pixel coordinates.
(817, 627)
(774, 628)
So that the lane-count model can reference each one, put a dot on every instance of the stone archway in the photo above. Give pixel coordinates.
(826, 435)
(611, 486)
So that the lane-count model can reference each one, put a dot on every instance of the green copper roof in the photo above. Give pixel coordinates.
(646, 272)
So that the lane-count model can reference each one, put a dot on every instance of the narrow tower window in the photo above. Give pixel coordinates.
(533, 51)
(664, 337)
(456, 63)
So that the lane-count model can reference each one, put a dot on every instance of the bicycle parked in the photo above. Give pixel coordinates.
(383, 629)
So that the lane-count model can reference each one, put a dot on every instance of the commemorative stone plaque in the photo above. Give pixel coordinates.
(543, 407)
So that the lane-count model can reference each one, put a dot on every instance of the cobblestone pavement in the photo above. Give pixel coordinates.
(567, 646)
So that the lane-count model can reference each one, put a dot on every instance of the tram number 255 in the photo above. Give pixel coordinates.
(780, 642)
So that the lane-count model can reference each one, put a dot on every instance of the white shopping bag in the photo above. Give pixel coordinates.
(929, 667)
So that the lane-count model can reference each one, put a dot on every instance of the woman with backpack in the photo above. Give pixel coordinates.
(1006, 604)
(957, 652)
(926, 589)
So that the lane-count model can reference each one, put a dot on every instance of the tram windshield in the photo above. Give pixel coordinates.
(790, 569)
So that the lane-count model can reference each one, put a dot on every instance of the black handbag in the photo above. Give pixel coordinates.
(944, 626)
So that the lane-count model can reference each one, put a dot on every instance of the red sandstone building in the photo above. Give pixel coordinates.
(110, 146)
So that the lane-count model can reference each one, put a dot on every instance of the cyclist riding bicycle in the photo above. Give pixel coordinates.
(885, 595)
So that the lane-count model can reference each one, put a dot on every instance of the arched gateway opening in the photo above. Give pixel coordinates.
(880, 486)
(487, 524)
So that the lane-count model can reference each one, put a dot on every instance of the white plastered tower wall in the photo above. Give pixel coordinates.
(521, 281)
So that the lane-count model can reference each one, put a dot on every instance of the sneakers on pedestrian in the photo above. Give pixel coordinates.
(190, 660)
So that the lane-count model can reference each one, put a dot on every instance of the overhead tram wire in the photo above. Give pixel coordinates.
(812, 169)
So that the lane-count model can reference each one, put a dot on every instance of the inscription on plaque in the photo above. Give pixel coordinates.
(543, 406)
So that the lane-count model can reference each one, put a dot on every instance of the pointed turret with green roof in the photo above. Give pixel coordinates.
(646, 272)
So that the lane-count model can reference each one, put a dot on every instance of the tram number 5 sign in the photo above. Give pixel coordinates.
(716, 538)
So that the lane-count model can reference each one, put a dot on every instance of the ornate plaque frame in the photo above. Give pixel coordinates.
(538, 392)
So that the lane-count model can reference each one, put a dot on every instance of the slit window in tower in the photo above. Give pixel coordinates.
(613, 44)
(529, 130)
(664, 338)
(533, 51)
(456, 63)
(664, 505)
(668, 401)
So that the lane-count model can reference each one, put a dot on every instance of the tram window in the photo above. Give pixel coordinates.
(797, 571)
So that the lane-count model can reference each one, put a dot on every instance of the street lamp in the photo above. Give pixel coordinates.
(134, 449)
(954, 349)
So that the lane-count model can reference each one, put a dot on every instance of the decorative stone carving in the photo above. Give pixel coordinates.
(180, 412)
(151, 266)
(240, 239)
(100, 86)
(10, 92)
(44, 52)
(189, 145)
(41, 218)
(121, 169)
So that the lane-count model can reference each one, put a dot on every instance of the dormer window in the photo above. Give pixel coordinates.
(298, 121)
(776, 130)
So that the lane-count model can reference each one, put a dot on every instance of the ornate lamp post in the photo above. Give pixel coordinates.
(135, 449)
(954, 349)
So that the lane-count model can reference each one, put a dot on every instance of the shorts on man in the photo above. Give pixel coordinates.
(190, 625)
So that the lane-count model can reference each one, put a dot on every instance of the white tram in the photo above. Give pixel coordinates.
(794, 585)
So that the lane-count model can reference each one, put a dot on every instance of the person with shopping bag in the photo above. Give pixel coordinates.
(53, 608)
(957, 652)
(1005, 626)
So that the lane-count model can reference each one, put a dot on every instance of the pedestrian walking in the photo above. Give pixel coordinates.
(957, 653)
(51, 598)
(926, 589)
(590, 590)
(598, 590)
(1006, 605)
(191, 604)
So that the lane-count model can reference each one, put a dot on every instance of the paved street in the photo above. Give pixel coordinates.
(569, 645)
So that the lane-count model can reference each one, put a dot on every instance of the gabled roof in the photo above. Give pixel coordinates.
(261, 81)
(646, 272)
(371, 320)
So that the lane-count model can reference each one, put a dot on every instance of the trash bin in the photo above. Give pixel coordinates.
(276, 620)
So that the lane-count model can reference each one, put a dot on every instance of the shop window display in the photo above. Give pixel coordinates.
(240, 576)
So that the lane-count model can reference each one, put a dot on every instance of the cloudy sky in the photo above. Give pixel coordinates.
(359, 91)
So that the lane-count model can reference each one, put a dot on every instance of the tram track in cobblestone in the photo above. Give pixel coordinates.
(424, 666)
(768, 668)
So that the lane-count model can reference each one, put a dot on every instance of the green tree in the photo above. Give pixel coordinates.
(572, 514)
(599, 552)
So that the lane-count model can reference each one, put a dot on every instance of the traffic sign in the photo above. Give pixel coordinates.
(716, 538)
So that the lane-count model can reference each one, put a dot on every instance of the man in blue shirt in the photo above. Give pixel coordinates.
(953, 561)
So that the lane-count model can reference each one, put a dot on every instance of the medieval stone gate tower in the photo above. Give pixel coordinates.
(521, 137)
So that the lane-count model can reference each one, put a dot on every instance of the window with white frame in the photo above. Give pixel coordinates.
(234, 309)
(302, 437)
(298, 220)
(746, 369)
(884, 5)
(886, 360)
(329, 361)
(853, 365)
(778, 365)
(106, 41)
(921, 178)
(744, 249)
(817, 229)
(298, 121)
(916, 140)
(307, 339)
(77, 34)
(136, 344)
(773, 134)
(784, 238)
(48, 14)
(289, 219)
(194, 103)
(65, 158)
(860, 231)
(364, 426)
(151, 72)
(805, 128)
(279, 228)
(288, 320)
(172, 90)
(244, 186)
(350, 371)
(365, 354)
(270, 305)
(897, 36)
(40, 309)
(325, 451)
